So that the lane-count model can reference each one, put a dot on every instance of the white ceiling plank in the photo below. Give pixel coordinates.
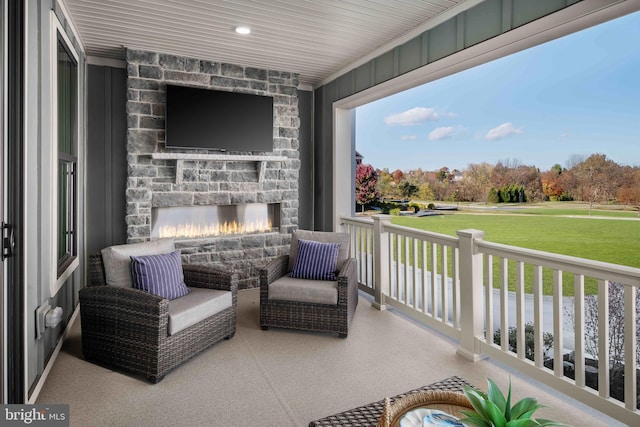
(314, 38)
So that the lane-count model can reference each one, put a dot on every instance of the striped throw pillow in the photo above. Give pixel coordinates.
(159, 274)
(315, 260)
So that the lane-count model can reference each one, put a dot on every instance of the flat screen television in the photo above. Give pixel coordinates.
(199, 118)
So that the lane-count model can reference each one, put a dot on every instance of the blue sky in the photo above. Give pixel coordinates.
(577, 95)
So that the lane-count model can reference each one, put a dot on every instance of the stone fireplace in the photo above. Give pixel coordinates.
(223, 188)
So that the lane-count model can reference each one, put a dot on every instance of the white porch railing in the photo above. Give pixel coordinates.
(469, 289)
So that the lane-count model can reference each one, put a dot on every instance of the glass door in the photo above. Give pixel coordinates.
(3, 265)
(12, 316)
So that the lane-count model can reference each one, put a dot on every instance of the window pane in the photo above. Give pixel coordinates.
(67, 100)
(63, 210)
(67, 119)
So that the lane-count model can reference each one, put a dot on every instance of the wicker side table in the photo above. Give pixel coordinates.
(368, 415)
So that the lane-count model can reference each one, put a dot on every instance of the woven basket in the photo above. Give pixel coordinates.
(446, 401)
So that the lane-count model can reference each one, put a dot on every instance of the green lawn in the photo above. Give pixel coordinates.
(570, 211)
(609, 240)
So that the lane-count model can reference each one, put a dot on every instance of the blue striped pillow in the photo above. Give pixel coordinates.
(315, 260)
(159, 274)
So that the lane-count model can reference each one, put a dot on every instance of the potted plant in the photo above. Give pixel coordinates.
(494, 410)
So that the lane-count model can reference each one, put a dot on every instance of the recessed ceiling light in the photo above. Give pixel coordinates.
(243, 30)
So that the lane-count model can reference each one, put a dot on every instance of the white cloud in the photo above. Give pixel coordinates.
(409, 137)
(441, 133)
(503, 131)
(412, 117)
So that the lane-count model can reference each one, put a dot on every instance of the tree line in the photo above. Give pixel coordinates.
(592, 179)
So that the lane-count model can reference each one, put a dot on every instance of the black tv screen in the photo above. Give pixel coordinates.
(218, 120)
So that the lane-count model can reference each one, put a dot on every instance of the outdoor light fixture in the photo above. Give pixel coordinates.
(243, 30)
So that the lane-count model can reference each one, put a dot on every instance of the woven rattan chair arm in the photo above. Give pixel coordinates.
(348, 269)
(96, 270)
(142, 315)
(347, 280)
(273, 270)
(202, 276)
(126, 298)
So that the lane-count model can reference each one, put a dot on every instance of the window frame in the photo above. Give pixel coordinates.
(64, 266)
(71, 203)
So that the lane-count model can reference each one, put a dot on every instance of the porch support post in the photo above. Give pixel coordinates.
(380, 260)
(471, 301)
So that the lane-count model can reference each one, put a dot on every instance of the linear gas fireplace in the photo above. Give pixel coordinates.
(201, 222)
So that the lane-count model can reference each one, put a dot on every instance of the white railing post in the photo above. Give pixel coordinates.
(380, 260)
(630, 339)
(471, 302)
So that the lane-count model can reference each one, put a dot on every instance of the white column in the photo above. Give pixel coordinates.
(344, 166)
(471, 307)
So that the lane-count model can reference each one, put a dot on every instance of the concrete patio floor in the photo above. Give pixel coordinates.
(284, 377)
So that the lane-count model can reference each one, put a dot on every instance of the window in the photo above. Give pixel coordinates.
(67, 135)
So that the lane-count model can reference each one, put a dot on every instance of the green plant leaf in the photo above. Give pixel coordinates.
(524, 408)
(477, 392)
(522, 423)
(495, 414)
(508, 403)
(493, 410)
(529, 414)
(543, 422)
(479, 402)
(475, 421)
(496, 396)
(477, 399)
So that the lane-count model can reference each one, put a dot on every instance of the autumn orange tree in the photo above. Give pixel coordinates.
(592, 179)
(597, 179)
(366, 180)
(552, 183)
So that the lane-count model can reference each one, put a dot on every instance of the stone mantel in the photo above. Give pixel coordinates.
(181, 157)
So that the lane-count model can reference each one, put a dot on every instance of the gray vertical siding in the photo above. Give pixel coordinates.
(106, 157)
(323, 157)
(305, 139)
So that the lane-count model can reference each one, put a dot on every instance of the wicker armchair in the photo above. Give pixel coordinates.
(335, 318)
(128, 328)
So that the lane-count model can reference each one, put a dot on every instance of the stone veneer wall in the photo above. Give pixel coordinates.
(152, 183)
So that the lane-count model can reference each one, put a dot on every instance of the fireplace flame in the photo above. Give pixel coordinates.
(199, 231)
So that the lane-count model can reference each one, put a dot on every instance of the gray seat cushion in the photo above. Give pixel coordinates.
(197, 305)
(302, 290)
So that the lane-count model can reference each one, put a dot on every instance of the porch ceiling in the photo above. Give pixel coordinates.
(316, 39)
